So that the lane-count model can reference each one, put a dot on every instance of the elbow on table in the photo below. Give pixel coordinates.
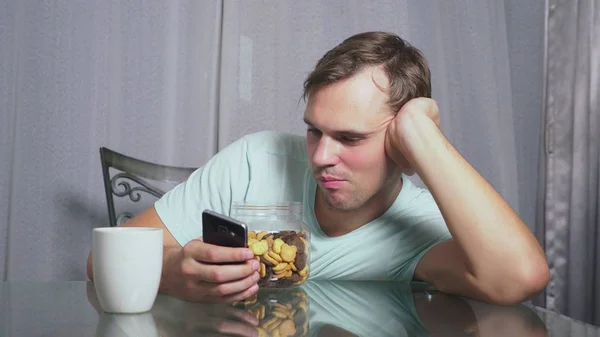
(520, 288)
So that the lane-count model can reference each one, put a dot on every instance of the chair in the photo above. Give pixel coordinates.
(139, 172)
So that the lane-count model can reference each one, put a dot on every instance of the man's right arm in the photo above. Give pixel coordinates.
(194, 272)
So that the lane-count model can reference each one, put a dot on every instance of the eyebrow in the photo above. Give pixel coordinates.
(344, 133)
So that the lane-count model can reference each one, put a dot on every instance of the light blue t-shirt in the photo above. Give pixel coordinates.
(273, 167)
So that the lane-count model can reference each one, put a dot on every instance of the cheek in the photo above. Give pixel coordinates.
(366, 160)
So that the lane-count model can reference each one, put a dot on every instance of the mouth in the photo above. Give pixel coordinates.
(330, 182)
(325, 179)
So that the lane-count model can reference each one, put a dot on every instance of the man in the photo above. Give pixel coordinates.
(370, 124)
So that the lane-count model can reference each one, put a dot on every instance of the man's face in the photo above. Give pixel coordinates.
(347, 123)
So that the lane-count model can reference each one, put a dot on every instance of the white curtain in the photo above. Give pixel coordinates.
(174, 81)
(571, 164)
(137, 77)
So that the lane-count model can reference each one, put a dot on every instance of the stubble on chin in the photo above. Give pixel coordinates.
(340, 205)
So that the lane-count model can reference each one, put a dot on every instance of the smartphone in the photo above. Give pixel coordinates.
(221, 230)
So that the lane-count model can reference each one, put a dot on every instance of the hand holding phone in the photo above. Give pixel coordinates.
(218, 268)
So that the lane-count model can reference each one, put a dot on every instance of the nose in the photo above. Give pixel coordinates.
(326, 152)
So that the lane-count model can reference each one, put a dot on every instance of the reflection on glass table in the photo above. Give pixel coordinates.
(329, 309)
(315, 309)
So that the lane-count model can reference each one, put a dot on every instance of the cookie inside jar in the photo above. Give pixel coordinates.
(283, 257)
(279, 239)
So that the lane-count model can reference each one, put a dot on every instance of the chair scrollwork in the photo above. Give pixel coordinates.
(121, 187)
(123, 217)
(135, 176)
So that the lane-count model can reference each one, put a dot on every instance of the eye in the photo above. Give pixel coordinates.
(313, 131)
(349, 140)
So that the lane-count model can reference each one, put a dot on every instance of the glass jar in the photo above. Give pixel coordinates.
(279, 239)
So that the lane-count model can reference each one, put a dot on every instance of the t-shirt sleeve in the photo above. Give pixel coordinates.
(425, 228)
(214, 186)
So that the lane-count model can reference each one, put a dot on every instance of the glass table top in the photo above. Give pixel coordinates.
(314, 309)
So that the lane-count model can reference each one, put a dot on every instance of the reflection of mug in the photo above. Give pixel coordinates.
(127, 265)
(111, 325)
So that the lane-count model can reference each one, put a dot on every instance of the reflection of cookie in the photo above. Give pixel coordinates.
(287, 328)
(284, 256)
(281, 314)
(299, 317)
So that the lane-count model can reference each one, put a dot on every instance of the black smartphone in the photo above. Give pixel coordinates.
(221, 230)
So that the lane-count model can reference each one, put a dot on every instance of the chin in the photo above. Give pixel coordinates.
(340, 204)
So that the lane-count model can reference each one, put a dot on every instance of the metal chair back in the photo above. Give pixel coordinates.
(136, 176)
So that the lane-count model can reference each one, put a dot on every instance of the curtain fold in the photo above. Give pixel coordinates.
(10, 29)
(572, 149)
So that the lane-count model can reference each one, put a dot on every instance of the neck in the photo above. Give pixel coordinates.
(337, 223)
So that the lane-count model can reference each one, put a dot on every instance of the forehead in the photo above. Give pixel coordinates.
(358, 103)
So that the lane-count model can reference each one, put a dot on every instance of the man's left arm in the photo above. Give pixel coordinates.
(492, 256)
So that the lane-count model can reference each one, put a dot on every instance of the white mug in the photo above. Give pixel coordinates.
(127, 265)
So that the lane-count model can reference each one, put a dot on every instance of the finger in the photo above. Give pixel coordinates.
(215, 273)
(236, 329)
(233, 297)
(208, 253)
(228, 288)
(218, 312)
(241, 315)
(221, 311)
(221, 327)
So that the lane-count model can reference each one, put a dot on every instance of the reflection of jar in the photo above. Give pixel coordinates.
(279, 312)
(279, 239)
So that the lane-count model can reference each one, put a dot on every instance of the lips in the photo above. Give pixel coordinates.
(330, 183)
(328, 179)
